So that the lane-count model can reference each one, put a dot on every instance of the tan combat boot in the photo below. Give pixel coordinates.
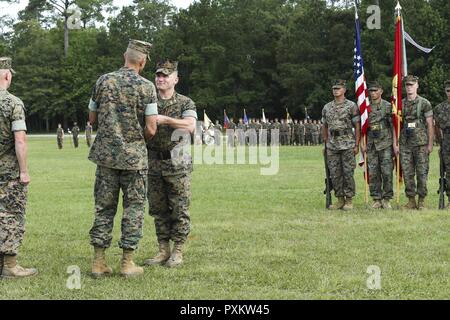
(411, 205)
(348, 204)
(339, 204)
(387, 204)
(12, 270)
(377, 204)
(99, 266)
(127, 266)
(162, 256)
(176, 258)
(421, 204)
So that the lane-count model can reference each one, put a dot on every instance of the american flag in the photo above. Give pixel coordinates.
(362, 94)
(226, 121)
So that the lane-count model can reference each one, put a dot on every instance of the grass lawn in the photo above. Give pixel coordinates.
(253, 237)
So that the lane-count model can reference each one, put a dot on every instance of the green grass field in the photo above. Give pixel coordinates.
(253, 237)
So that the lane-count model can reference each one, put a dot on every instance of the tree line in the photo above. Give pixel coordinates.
(233, 54)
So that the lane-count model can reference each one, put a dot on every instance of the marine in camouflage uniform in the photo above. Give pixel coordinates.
(416, 143)
(284, 133)
(339, 117)
(275, 127)
(88, 134)
(75, 133)
(315, 132)
(308, 133)
(240, 132)
(442, 120)
(231, 133)
(169, 188)
(380, 141)
(301, 132)
(60, 136)
(125, 105)
(14, 176)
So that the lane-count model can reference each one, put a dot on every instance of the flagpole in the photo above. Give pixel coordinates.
(366, 172)
(363, 132)
(398, 161)
(403, 67)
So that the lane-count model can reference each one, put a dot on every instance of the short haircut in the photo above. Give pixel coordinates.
(134, 56)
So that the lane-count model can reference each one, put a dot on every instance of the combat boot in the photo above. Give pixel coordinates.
(12, 270)
(421, 203)
(162, 256)
(99, 266)
(377, 204)
(176, 258)
(348, 204)
(411, 205)
(127, 266)
(339, 204)
(387, 204)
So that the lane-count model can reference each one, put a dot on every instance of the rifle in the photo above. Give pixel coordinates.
(442, 179)
(328, 183)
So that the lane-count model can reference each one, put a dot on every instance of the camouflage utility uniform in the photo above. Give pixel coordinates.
(169, 174)
(340, 119)
(60, 137)
(379, 151)
(75, 133)
(13, 194)
(89, 135)
(442, 117)
(121, 99)
(413, 146)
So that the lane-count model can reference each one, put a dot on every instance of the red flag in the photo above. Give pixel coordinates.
(397, 77)
(397, 81)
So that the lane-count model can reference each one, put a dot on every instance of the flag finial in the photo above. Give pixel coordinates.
(398, 7)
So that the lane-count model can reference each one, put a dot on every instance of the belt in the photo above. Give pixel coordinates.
(377, 127)
(338, 133)
(159, 155)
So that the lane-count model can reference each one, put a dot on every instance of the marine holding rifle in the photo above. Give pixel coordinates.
(442, 122)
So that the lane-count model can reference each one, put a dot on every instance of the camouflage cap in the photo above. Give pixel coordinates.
(140, 46)
(167, 67)
(374, 85)
(447, 84)
(339, 83)
(6, 63)
(410, 79)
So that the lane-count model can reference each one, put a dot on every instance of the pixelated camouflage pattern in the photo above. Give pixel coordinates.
(174, 108)
(11, 109)
(415, 163)
(379, 134)
(380, 166)
(13, 200)
(108, 184)
(340, 117)
(75, 133)
(60, 137)
(121, 98)
(342, 166)
(442, 117)
(419, 136)
(169, 199)
(169, 190)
